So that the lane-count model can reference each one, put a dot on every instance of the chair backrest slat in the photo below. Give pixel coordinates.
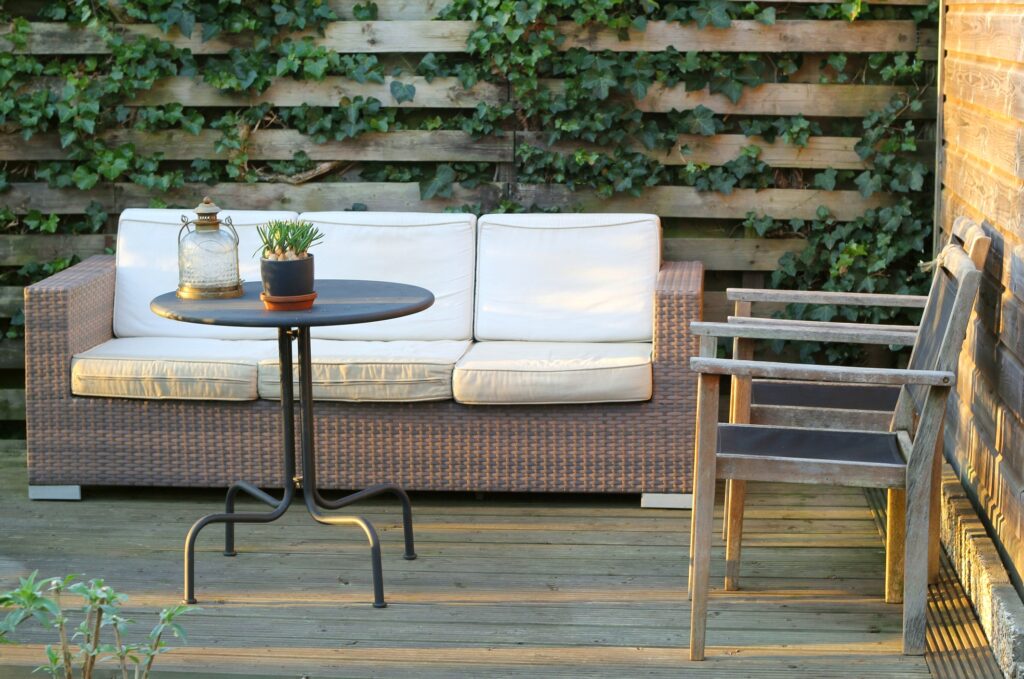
(944, 322)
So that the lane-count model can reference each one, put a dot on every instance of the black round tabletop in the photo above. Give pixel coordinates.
(338, 302)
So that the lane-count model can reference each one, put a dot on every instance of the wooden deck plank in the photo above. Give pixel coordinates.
(507, 585)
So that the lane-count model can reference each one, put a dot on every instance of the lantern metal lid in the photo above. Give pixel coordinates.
(208, 255)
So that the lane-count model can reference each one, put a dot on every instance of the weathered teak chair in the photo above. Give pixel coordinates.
(823, 405)
(900, 458)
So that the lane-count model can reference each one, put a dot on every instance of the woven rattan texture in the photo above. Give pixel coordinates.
(629, 447)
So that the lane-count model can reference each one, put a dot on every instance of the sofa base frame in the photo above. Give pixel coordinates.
(67, 493)
(666, 501)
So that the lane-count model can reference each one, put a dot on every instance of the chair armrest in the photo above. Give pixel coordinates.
(825, 297)
(65, 314)
(821, 373)
(809, 332)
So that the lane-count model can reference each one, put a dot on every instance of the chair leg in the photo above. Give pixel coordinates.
(735, 502)
(915, 585)
(895, 537)
(934, 537)
(703, 510)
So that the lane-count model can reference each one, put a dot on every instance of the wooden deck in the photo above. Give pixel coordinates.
(505, 586)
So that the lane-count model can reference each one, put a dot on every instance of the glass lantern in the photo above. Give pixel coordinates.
(208, 256)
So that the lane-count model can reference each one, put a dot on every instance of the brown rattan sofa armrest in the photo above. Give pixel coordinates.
(825, 297)
(65, 314)
(821, 373)
(678, 302)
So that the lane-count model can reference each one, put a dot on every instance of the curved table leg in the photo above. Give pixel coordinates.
(229, 519)
(379, 489)
(229, 508)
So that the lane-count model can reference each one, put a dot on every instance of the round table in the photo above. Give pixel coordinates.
(338, 302)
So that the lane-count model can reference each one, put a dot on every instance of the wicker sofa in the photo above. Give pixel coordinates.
(554, 359)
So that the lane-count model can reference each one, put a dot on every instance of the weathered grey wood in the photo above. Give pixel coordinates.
(798, 323)
(439, 93)
(708, 347)
(18, 250)
(819, 418)
(399, 145)
(750, 36)
(451, 36)
(736, 489)
(703, 509)
(684, 201)
(824, 373)
(826, 297)
(732, 254)
(782, 469)
(811, 332)
(919, 477)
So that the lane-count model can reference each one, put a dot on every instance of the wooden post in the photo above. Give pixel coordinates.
(895, 538)
(708, 349)
(736, 489)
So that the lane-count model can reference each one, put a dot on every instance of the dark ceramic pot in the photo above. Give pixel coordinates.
(288, 278)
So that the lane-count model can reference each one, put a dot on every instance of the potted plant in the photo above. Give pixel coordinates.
(286, 265)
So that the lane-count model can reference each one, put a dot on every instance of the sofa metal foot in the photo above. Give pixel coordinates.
(55, 493)
(666, 501)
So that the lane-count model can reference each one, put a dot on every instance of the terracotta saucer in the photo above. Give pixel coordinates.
(290, 303)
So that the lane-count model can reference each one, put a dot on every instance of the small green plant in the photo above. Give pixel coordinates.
(287, 239)
(40, 600)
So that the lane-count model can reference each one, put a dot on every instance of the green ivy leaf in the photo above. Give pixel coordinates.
(826, 180)
(84, 178)
(440, 185)
(402, 92)
(365, 11)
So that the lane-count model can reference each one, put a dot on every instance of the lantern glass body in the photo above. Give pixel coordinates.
(208, 264)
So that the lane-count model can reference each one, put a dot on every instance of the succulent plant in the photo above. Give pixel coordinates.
(287, 239)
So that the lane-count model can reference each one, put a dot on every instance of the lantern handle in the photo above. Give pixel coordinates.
(228, 223)
(185, 221)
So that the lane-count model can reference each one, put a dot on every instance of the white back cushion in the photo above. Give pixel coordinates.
(567, 277)
(147, 266)
(434, 251)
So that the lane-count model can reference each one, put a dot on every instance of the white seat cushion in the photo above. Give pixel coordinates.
(567, 277)
(147, 266)
(553, 372)
(434, 251)
(170, 368)
(355, 370)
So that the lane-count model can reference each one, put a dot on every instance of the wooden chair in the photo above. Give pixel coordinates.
(830, 406)
(900, 458)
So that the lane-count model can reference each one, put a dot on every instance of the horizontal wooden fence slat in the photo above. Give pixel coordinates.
(998, 140)
(787, 99)
(992, 85)
(820, 152)
(668, 201)
(440, 93)
(21, 249)
(1000, 197)
(400, 145)
(11, 298)
(418, 36)
(405, 10)
(777, 99)
(445, 145)
(986, 31)
(684, 201)
(401, 197)
(339, 36)
(751, 36)
(733, 254)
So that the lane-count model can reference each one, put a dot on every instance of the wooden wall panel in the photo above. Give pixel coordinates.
(983, 177)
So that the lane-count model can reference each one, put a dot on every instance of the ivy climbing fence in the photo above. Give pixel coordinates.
(786, 138)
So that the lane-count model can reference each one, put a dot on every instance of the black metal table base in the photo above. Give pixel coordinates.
(315, 502)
